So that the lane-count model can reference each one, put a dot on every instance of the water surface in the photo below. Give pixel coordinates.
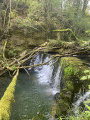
(35, 93)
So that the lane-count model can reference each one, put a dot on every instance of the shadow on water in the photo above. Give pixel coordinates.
(4, 82)
(30, 98)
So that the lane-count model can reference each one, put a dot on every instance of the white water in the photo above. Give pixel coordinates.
(80, 100)
(56, 86)
(45, 74)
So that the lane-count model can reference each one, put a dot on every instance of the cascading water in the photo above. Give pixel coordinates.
(34, 94)
(46, 74)
(79, 101)
(56, 86)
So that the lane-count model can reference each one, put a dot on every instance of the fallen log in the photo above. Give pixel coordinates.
(66, 30)
(19, 62)
(7, 99)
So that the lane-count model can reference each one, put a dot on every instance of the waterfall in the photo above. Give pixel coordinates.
(45, 72)
(79, 101)
(36, 60)
(56, 86)
(48, 75)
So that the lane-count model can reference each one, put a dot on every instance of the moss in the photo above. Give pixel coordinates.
(64, 102)
(71, 73)
(86, 75)
(71, 61)
(7, 100)
(69, 85)
(73, 69)
(62, 107)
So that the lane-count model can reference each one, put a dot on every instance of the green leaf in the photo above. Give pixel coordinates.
(84, 78)
(88, 107)
(86, 71)
(88, 76)
(87, 101)
(14, 67)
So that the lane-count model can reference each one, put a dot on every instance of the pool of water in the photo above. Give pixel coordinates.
(34, 94)
(35, 90)
(31, 98)
(4, 82)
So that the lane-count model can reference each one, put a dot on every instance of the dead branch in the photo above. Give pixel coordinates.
(19, 62)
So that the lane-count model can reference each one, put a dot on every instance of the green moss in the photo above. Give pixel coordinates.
(73, 68)
(71, 61)
(86, 75)
(71, 73)
(7, 100)
(69, 85)
(62, 107)
(64, 102)
(88, 31)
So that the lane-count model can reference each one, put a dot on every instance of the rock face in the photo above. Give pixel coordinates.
(57, 97)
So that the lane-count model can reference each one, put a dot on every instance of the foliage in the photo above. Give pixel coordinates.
(88, 31)
(55, 14)
(14, 14)
(82, 115)
(7, 100)
(71, 72)
(86, 76)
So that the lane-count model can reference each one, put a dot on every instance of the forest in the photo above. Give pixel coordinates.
(44, 59)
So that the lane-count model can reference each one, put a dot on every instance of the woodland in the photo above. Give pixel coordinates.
(57, 27)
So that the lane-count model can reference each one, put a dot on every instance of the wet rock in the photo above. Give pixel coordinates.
(57, 97)
(62, 108)
(63, 102)
(72, 71)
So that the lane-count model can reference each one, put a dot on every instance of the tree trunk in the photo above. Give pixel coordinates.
(77, 7)
(10, 15)
(85, 2)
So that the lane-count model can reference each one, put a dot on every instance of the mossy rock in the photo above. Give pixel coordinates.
(63, 104)
(65, 94)
(71, 61)
(73, 68)
(62, 108)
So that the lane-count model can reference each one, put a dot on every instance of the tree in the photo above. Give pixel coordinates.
(85, 2)
(10, 13)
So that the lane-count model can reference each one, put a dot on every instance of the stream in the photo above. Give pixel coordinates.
(35, 93)
(36, 89)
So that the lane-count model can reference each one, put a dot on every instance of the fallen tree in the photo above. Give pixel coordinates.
(7, 99)
(19, 63)
(66, 31)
